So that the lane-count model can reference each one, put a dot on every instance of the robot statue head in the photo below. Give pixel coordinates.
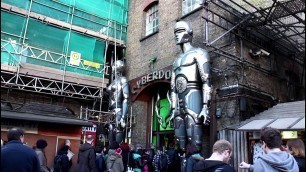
(118, 66)
(183, 32)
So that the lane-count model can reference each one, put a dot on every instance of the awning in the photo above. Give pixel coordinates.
(281, 124)
(283, 116)
(44, 118)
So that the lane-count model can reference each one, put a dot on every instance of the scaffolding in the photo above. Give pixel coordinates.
(38, 38)
(269, 25)
(277, 26)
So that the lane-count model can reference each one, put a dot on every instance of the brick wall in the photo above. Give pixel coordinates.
(226, 70)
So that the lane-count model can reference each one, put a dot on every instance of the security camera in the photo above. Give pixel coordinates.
(265, 53)
(258, 52)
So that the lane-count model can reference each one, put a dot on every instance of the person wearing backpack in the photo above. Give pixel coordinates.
(146, 161)
(193, 156)
(100, 162)
(114, 161)
(174, 158)
(161, 161)
(218, 161)
(137, 160)
(61, 160)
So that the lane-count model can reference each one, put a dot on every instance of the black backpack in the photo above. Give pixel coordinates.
(131, 161)
(100, 163)
(163, 162)
(57, 163)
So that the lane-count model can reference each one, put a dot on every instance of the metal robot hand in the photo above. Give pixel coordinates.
(122, 123)
(173, 113)
(204, 113)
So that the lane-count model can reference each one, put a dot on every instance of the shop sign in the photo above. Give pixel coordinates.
(27, 126)
(90, 129)
(289, 134)
(156, 75)
(92, 64)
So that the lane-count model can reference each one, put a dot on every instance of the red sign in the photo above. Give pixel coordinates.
(90, 131)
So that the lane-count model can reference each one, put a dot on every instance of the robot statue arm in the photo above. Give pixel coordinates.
(125, 102)
(203, 63)
(173, 99)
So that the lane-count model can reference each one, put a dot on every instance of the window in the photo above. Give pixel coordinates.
(152, 20)
(190, 5)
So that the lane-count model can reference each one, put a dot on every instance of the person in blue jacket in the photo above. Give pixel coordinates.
(18, 157)
(193, 156)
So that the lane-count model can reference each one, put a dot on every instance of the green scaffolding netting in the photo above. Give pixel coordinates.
(105, 16)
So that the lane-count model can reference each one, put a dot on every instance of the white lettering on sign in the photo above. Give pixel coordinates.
(91, 129)
(156, 75)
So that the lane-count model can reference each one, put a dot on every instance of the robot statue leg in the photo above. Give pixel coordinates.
(197, 135)
(194, 131)
(120, 136)
(111, 132)
(180, 131)
(119, 132)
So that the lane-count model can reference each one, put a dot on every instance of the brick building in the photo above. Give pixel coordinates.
(254, 64)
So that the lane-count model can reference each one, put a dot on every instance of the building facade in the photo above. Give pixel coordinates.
(59, 53)
(251, 70)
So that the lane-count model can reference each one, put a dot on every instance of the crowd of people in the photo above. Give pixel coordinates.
(16, 156)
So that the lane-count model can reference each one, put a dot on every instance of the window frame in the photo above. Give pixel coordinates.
(189, 6)
(151, 17)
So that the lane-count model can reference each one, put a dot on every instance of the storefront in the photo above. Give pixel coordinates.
(151, 92)
(55, 128)
(289, 118)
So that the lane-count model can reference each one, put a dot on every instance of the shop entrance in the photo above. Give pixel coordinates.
(163, 138)
(162, 132)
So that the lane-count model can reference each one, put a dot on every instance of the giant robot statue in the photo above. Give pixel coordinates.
(118, 102)
(190, 88)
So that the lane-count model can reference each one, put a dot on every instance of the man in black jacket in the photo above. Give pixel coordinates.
(174, 158)
(17, 157)
(218, 161)
(87, 157)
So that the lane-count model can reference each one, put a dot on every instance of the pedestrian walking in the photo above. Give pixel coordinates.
(114, 161)
(67, 143)
(61, 160)
(218, 161)
(125, 154)
(274, 159)
(174, 158)
(161, 161)
(41, 144)
(193, 156)
(17, 157)
(100, 161)
(87, 157)
(136, 159)
(111, 149)
(296, 148)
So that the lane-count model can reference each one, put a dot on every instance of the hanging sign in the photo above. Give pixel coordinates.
(92, 64)
(75, 58)
(289, 134)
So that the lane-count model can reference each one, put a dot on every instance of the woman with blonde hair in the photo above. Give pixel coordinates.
(296, 148)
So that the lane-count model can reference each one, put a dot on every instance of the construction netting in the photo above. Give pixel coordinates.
(26, 39)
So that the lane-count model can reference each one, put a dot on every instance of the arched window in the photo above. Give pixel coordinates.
(152, 19)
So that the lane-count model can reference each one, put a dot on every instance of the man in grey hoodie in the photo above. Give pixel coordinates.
(274, 160)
